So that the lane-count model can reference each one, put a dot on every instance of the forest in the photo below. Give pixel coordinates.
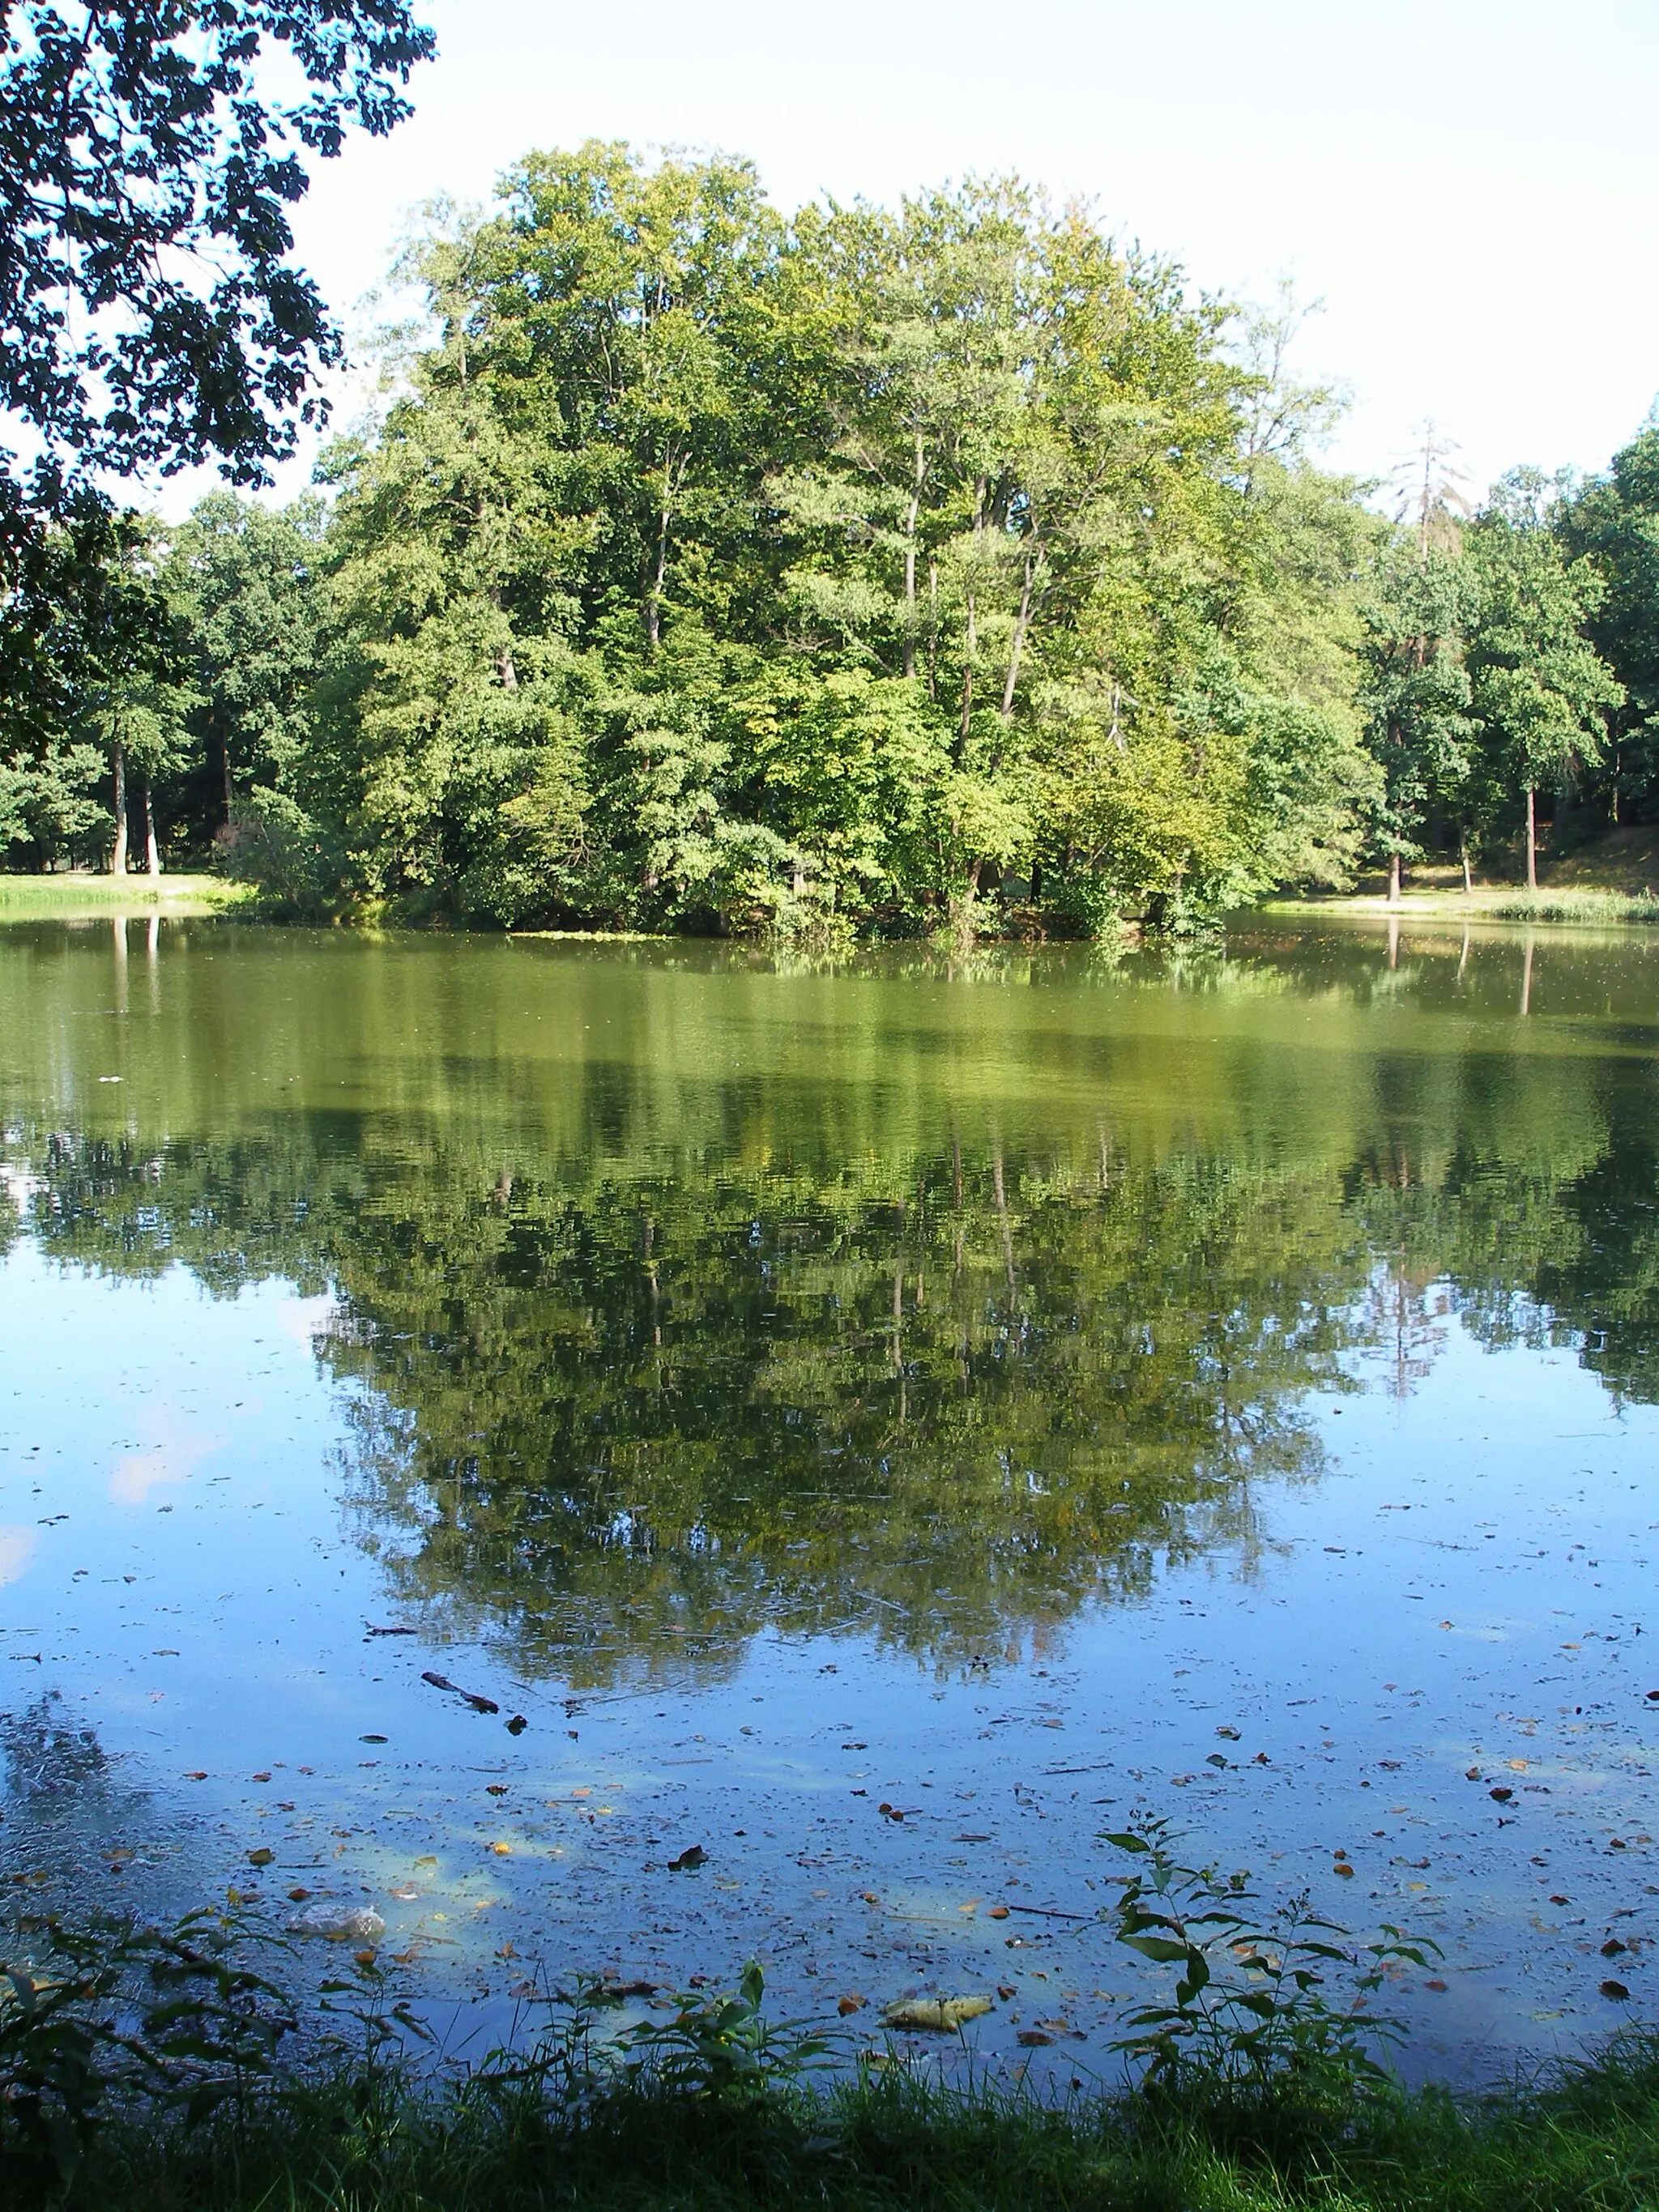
(864, 571)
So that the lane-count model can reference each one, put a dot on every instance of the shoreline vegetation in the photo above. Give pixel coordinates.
(82, 894)
(368, 2138)
(718, 2107)
(151, 2070)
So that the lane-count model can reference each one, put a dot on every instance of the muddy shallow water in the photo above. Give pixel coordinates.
(1007, 1394)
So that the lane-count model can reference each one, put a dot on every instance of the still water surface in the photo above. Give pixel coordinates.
(1011, 1393)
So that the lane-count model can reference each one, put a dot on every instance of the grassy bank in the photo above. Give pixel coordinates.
(509, 2139)
(71, 897)
(1488, 902)
(161, 2070)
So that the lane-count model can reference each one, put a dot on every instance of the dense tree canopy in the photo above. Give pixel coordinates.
(869, 570)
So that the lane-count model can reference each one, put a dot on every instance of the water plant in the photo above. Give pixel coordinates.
(1263, 2004)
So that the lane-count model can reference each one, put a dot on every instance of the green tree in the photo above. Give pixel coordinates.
(1612, 522)
(884, 569)
(1416, 694)
(150, 314)
(244, 587)
(1541, 692)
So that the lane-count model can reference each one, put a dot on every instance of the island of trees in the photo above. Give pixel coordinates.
(865, 570)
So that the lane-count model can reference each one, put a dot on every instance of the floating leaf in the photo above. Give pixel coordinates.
(940, 2015)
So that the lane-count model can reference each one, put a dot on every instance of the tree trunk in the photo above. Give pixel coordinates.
(230, 795)
(910, 563)
(1468, 879)
(118, 863)
(1532, 839)
(970, 644)
(1021, 621)
(672, 473)
(152, 850)
(1394, 879)
(970, 647)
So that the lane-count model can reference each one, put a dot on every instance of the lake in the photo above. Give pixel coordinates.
(876, 1427)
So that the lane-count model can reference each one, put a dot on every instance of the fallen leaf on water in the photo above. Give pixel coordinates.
(998, 1912)
(1616, 1990)
(298, 1896)
(503, 1850)
(1032, 2038)
(849, 2004)
(1006, 1989)
(1502, 1794)
(197, 1774)
(941, 2015)
(869, 1897)
(261, 1858)
(1345, 1870)
(693, 1856)
(1438, 1987)
(364, 1958)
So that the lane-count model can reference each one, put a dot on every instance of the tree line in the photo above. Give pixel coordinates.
(865, 570)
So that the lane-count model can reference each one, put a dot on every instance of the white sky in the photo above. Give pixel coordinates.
(1471, 187)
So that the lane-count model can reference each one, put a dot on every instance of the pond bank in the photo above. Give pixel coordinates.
(1582, 2140)
(72, 897)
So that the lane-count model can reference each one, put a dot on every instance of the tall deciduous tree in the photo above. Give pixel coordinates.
(1540, 690)
(1612, 522)
(1417, 695)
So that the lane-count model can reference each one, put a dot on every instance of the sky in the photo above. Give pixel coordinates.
(1470, 187)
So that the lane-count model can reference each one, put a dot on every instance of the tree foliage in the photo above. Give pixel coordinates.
(943, 567)
(876, 568)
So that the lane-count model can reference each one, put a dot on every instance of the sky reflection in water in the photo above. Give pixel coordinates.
(976, 1389)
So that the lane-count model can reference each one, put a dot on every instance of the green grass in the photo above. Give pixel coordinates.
(65, 897)
(1586, 2139)
(1592, 906)
(1581, 909)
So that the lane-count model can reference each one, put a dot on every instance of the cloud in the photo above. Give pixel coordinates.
(16, 1550)
(172, 1459)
